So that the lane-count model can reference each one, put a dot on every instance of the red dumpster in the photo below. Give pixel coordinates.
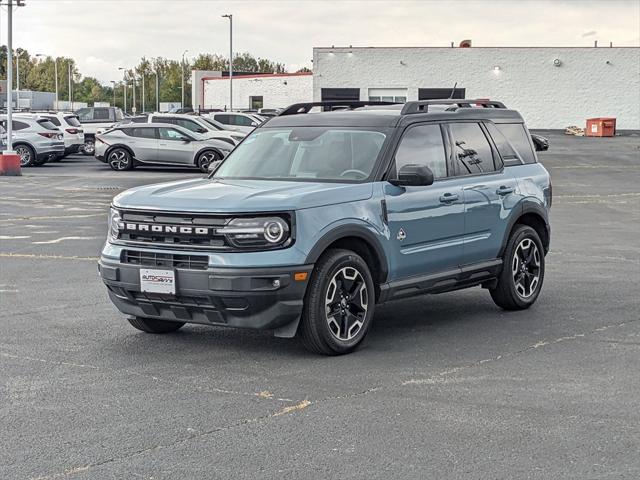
(601, 127)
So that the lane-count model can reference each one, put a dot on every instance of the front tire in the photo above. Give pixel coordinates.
(520, 281)
(150, 325)
(120, 159)
(339, 304)
(205, 159)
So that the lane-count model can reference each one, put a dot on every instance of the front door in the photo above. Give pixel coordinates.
(172, 147)
(490, 191)
(426, 223)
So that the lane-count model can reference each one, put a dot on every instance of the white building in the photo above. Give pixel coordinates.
(253, 91)
(551, 87)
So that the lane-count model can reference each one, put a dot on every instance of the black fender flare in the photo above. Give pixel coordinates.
(358, 231)
(525, 208)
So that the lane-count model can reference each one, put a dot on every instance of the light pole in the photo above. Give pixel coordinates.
(114, 92)
(70, 98)
(55, 73)
(143, 91)
(133, 83)
(230, 17)
(124, 88)
(18, 55)
(183, 53)
(157, 92)
(9, 79)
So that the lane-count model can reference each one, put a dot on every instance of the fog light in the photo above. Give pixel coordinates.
(276, 284)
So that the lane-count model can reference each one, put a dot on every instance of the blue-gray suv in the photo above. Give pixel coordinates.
(315, 218)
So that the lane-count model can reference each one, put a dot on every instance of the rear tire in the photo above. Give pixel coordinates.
(339, 304)
(89, 147)
(520, 281)
(120, 160)
(151, 325)
(27, 155)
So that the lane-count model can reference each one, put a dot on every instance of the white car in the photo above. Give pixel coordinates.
(240, 122)
(71, 128)
(199, 125)
(97, 120)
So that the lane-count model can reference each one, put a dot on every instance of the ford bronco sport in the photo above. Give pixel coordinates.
(317, 217)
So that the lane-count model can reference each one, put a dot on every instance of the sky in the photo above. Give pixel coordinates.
(102, 35)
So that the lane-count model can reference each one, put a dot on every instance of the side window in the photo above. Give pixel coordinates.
(19, 125)
(170, 134)
(141, 132)
(505, 149)
(519, 137)
(240, 120)
(224, 119)
(101, 114)
(188, 124)
(472, 152)
(422, 145)
(85, 114)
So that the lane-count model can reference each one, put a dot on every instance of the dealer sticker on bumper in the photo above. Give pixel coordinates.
(157, 281)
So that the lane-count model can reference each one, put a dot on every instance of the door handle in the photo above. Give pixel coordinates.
(448, 198)
(504, 190)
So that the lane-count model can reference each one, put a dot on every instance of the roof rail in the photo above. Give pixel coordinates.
(422, 106)
(298, 108)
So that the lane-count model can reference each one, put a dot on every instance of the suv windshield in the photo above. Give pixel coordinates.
(304, 153)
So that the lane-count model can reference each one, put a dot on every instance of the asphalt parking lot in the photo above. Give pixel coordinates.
(444, 386)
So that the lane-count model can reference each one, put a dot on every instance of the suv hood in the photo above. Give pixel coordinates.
(230, 196)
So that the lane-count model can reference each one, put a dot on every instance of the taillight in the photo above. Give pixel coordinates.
(48, 134)
(72, 131)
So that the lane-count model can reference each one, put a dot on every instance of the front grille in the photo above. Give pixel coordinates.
(171, 234)
(165, 260)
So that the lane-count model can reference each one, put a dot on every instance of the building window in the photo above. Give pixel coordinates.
(256, 103)
(397, 95)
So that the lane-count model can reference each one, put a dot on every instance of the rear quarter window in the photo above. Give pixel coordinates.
(72, 121)
(47, 124)
(519, 139)
(53, 120)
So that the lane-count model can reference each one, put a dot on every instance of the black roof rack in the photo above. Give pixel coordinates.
(298, 108)
(422, 106)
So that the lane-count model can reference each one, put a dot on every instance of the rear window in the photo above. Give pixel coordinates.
(101, 114)
(47, 124)
(72, 120)
(53, 120)
(519, 138)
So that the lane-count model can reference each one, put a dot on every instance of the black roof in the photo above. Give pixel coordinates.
(381, 114)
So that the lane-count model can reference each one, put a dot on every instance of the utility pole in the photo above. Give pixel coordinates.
(183, 78)
(230, 17)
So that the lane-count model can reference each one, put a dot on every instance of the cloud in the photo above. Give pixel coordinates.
(107, 34)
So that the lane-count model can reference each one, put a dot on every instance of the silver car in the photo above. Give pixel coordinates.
(35, 139)
(157, 144)
(206, 127)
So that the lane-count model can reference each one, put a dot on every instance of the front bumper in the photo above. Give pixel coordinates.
(258, 298)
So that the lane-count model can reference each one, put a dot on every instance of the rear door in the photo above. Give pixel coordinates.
(490, 191)
(426, 222)
(172, 148)
(144, 143)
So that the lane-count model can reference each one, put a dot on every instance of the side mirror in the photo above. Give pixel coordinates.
(413, 176)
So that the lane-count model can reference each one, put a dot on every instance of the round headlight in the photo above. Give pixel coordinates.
(274, 231)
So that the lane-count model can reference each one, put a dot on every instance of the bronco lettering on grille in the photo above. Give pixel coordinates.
(146, 228)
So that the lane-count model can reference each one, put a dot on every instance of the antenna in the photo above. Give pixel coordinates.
(453, 90)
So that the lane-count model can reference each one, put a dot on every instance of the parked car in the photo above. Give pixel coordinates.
(199, 125)
(314, 219)
(96, 120)
(35, 139)
(541, 143)
(71, 129)
(126, 146)
(241, 122)
(181, 110)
